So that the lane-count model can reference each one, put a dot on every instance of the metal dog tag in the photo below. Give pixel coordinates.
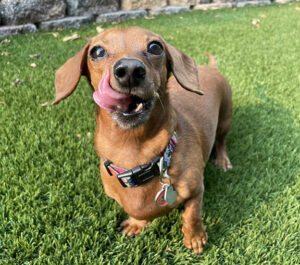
(160, 197)
(170, 195)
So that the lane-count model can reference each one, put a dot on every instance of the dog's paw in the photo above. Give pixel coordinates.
(195, 241)
(132, 227)
(223, 162)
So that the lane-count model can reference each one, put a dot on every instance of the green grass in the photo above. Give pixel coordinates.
(53, 209)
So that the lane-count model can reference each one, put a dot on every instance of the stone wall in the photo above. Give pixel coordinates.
(30, 11)
(21, 16)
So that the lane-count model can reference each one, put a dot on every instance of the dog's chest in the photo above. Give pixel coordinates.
(138, 202)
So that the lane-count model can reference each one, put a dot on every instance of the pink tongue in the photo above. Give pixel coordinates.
(110, 99)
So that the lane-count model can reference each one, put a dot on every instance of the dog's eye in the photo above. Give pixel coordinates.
(97, 53)
(155, 48)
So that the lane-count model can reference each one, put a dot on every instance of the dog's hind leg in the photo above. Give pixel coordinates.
(224, 124)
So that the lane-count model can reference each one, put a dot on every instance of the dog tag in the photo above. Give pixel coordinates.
(170, 195)
(160, 197)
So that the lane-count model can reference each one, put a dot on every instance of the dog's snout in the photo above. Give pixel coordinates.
(129, 72)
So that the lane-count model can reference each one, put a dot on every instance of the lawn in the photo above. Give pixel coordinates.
(53, 209)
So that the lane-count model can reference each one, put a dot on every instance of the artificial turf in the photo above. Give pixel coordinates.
(53, 209)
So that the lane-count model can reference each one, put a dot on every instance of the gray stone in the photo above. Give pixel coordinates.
(212, 6)
(252, 3)
(283, 1)
(19, 29)
(227, 1)
(182, 2)
(68, 22)
(142, 4)
(120, 16)
(87, 7)
(169, 10)
(14, 12)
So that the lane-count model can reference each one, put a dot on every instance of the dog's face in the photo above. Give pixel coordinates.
(130, 68)
(137, 63)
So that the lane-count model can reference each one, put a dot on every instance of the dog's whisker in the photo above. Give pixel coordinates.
(162, 105)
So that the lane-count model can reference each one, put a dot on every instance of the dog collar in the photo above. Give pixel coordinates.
(141, 174)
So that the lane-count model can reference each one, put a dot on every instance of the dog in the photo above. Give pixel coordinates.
(158, 119)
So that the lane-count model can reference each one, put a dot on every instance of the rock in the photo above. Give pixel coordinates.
(68, 22)
(13, 30)
(283, 1)
(182, 2)
(169, 10)
(212, 6)
(227, 1)
(121, 15)
(14, 12)
(94, 7)
(252, 3)
(142, 4)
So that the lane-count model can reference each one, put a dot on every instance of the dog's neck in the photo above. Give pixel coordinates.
(128, 148)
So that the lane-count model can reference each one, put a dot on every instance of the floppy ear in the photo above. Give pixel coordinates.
(68, 75)
(184, 69)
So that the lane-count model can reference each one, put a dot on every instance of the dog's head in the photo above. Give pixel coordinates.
(128, 70)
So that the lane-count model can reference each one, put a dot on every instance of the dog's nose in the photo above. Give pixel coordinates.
(129, 72)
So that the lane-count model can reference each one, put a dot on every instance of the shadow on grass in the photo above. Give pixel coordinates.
(262, 146)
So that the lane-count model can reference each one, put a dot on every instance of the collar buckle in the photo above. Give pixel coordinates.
(140, 174)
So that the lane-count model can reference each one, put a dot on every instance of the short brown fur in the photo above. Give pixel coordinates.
(198, 120)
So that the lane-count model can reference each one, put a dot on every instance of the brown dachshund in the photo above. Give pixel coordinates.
(141, 110)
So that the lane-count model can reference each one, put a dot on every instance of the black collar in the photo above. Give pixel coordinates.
(141, 174)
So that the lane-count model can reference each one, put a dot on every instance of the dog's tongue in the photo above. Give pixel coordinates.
(110, 99)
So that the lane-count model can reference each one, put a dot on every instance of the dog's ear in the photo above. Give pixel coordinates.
(184, 69)
(68, 75)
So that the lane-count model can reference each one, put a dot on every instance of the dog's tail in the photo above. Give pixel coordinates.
(212, 61)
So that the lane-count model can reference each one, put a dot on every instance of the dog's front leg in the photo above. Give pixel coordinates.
(195, 236)
(132, 226)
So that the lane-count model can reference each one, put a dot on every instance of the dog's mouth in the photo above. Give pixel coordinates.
(136, 107)
(123, 106)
